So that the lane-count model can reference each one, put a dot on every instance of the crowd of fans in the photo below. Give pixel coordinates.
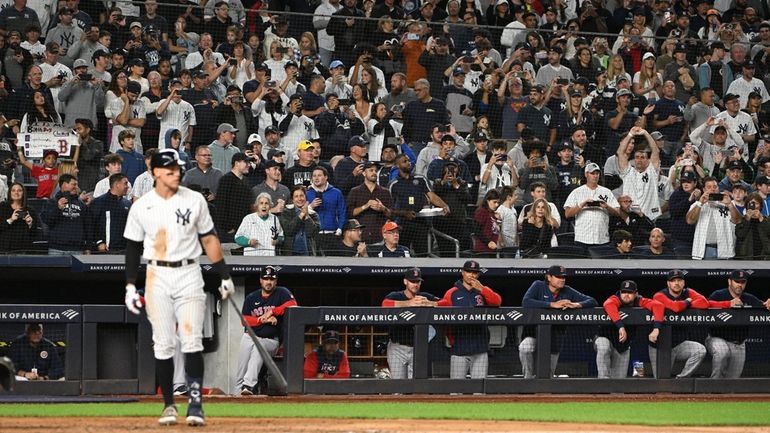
(511, 129)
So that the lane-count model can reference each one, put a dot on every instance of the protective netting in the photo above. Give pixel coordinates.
(494, 107)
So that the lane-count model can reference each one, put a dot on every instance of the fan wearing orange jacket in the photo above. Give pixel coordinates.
(677, 298)
(327, 361)
(613, 342)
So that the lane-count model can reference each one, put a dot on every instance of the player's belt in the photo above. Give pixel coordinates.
(178, 264)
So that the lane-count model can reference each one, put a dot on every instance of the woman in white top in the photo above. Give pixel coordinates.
(369, 79)
(276, 62)
(137, 74)
(648, 80)
(243, 70)
(260, 231)
(379, 129)
(117, 88)
(269, 105)
(616, 68)
(362, 106)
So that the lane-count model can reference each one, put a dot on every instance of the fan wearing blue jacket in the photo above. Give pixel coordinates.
(471, 342)
(550, 293)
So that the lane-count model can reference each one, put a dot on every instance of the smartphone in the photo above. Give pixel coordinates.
(540, 160)
(595, 203)
(715, 197)
(233, 62)
(468, 59)
(726, 152)
(636, 39)
(562, 81)
(270, 84)
(344, 101)
(502, 157)
(392, 141)
(519, 74)
(282, 50)
(541, 55)
(412, 37)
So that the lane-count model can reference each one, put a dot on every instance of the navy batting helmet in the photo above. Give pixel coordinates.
(166, 158)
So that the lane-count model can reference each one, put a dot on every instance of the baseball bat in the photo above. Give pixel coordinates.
(269, 363)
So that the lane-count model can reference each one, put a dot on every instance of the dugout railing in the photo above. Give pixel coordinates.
(298, 319)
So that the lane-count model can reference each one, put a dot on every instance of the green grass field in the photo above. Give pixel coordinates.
(642, 413)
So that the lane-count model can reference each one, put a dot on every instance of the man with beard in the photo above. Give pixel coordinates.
(370, 204)
(399, 94)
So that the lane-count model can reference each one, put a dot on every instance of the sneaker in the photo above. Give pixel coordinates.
(195, 416)
(247, 390)
(180, 390)
(168, 417)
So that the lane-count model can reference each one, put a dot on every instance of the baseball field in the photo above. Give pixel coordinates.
(412, 414)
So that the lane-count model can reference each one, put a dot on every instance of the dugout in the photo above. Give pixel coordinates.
(98, 280)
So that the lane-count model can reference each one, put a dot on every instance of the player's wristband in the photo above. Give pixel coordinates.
(221, 268)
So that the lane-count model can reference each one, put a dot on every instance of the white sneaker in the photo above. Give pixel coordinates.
(168, 417)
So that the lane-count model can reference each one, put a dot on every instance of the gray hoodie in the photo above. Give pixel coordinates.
(80, 101)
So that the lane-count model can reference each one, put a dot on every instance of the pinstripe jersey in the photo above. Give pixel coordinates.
(170, 228)
(255, 227)
(177, 116)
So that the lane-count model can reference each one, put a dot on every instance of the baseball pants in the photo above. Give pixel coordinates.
(691, 352)
(477, 364)
(727, 358)
(527, 358)
(175, 295)
(609, 362)
(250, 361)
(400, 360)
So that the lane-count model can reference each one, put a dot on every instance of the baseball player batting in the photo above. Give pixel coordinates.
(170, 223)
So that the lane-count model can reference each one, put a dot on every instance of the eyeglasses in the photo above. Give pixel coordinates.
(205, 155)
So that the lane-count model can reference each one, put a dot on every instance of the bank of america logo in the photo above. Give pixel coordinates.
(346, 270)
(407, 315)
(70, 314)
(207, 267)
(623, 315)
(514, 315)
(724, 316)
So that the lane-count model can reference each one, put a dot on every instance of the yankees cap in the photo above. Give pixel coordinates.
(414, 275)
(331, 336)
(628, 286)
(739, 275)
(269, 272)
(133, 87)
(592, 167)
(166, 158)
(352, 224)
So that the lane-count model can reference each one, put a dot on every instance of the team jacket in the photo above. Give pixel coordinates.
(469, 339)
(67, 227)
(539, 296)
(107, 221)
(612, 307)
(736, 334)
(256, 304)
(403, 334)
(332, 365)
(677, 305)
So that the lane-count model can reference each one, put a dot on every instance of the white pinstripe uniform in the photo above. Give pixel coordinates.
(177, 116)
(143, 184)
(170, 230)
(254, 227)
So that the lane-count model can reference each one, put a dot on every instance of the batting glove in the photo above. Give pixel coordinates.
(227, 288)
(133, 300)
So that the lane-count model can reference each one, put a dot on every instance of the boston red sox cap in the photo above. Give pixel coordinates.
(557, 271)
(269, 272)
(331, 336)
(739, 275)
(472, 266)
(675, 274)
(628, 286)
(414, 275)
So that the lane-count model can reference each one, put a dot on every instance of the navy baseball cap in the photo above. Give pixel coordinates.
(414, 275)
(356, 140)
(739, 275)
(133, 87)
(471, 266)
(166, 158)
(331, 336)
(557, 271)
(675, 274)
(272, 129)
(628, 286)
(458, 71)
(688, 176)
(269, 272)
